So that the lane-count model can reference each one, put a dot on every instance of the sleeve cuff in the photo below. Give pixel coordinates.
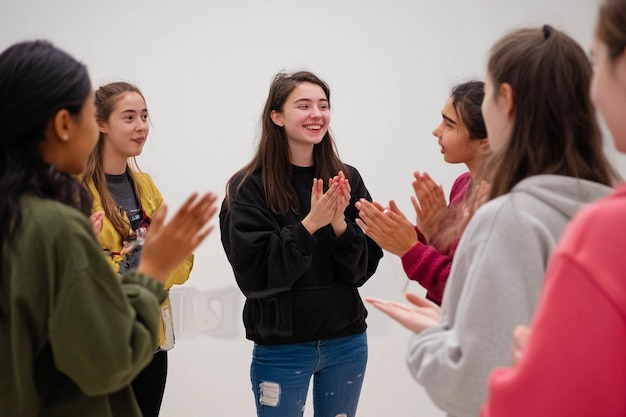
(134, 277)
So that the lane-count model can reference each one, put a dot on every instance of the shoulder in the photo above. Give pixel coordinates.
(594, 240)
(598, 222)
(240, 178)
(95, 195)
(461, 185)
(500, 219)
(463, 179)
(352, 171)
(244, 188)
(353, 175)
(150, 195)
(52, 218)
(144, 179)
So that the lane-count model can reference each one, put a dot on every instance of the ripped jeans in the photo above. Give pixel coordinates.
(280, 377)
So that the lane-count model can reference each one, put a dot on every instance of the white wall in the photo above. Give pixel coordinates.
(205, 68)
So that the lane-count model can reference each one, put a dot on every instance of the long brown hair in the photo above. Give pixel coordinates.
(272, 154)
(555, 130)
(611, 27)
(107, 97)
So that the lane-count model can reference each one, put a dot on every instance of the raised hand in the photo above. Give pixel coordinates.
(388, 227)
(429, 203)
(323, 206)
(97, 219)
(168, 244)
(343, 200)
(417, 316)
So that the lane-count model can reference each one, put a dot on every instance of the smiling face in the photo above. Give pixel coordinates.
(608, 91)
(127, 129)
(305, 116)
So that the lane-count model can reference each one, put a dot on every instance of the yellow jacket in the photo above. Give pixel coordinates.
(111, 241)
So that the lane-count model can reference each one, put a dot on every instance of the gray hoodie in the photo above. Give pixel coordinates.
(494, 285)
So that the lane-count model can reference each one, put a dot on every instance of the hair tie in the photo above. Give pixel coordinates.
(547, 31)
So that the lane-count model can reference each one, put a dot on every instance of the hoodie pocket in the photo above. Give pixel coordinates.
(270, 316)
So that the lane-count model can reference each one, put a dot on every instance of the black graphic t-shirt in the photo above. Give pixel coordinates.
(121, 187)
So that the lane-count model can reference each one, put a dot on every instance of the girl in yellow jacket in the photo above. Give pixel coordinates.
(129, 199)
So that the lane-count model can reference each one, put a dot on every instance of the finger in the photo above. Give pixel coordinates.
(432, 201)
(388, 310)
(396, 213)
(345, 189)
(437, 196)
(207, 210)
(363, 226)
(367, 207)
(319, 187)
(393, 305)
(421, 301)
(98, 215)
(420, 189)
(427, 179)
(517, 355)
(374, 300)
(376, 218)
(199, 237)
(520, 336)
(418, 210)
(193, 213)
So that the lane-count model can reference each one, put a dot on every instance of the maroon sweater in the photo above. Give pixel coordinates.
(427, 265)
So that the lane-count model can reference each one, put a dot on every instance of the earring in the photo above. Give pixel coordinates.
(65, 137)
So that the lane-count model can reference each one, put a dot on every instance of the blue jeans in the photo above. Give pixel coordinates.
(280, 377)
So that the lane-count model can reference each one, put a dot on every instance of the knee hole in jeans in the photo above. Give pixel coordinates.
(269, 393)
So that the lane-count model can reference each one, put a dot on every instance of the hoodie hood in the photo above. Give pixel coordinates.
(565, 194)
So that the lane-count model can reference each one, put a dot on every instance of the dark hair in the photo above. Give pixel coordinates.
(36, 81)
(467, 99)
(107, 97)
(272, 155)
(611, 27)
(555, 129)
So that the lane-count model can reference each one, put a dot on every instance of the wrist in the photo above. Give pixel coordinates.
(310, 225)
(406, 247)
(147, 268)
(339, 226)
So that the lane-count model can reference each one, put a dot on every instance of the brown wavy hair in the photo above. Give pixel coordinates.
(272, 154)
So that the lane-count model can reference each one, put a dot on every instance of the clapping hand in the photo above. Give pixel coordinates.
(388, 227)
(417, 316)
(97, 220)
(429, 203)
(167, 244)
(343, 200)
(324, 205)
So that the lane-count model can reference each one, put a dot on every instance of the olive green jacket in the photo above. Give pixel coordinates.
(72, 334)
